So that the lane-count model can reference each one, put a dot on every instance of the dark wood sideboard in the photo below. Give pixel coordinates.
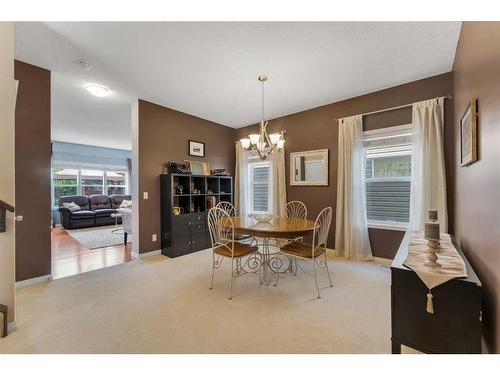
(455, 326)
(187, 231)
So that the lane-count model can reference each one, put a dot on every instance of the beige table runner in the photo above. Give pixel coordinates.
(452, 264)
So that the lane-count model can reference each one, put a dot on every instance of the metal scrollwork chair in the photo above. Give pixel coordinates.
(231, 211)
(296, 209)
(221, 229)
(315, 249)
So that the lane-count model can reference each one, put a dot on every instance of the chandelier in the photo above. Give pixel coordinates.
(262, 143)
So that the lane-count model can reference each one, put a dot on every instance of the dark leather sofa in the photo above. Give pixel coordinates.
(94, 210)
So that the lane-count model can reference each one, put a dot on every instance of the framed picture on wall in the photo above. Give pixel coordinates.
(468, 134)
(196, 148)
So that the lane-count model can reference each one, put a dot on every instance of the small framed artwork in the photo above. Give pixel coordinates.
(196, 148)
(199, 167)
(468, 134)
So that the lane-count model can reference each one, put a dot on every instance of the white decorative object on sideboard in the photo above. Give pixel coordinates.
(432, 235)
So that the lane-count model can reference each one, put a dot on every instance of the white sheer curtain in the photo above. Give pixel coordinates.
(278, 182)
(241, 181)
(428, 179)
(351, 230)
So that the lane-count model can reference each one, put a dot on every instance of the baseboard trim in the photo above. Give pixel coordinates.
(33, 281)
(384, 262)
(11, 327)
(332, 253)
(145, 255)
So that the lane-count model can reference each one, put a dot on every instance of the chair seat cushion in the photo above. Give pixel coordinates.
(301, 249)
(82, 214)
(240, 249)
(104, 212)
(241, 236)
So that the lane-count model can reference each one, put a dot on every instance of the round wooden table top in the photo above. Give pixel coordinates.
(278, 227)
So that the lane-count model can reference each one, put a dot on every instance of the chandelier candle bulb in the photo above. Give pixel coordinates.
(275, 138)
(254, 138)
(245, 143)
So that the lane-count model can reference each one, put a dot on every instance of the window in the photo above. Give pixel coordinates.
(115, 182)
(92, 181)
(388, 176)
(65, 182)
(259, 189)
(86, 181)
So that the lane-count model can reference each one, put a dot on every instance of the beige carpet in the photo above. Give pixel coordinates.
(162, 305)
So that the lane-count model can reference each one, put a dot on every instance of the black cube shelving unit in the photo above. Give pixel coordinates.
(187, 232)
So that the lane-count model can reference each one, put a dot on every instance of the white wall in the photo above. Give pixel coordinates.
(7, 116)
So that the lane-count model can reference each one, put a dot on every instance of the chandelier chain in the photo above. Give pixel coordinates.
(263, 102)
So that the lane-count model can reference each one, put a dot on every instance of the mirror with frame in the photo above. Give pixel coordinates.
(309, 168)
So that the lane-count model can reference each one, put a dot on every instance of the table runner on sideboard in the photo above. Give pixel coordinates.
(452, 264)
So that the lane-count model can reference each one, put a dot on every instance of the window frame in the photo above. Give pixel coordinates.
(386, 133)
(102, 185)
(53, 186)
(80, 186)
(107, 186)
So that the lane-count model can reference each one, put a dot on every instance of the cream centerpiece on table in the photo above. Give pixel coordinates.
(262, 218)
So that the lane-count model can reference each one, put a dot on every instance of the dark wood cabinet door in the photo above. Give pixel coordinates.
(181, 244)
(181, 224)
(199, 240)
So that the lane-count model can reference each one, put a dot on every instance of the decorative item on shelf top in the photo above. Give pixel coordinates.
(262, 218)
(432, 235)
(219, 172)
(177, 167)
(263, 144)
(199, 167)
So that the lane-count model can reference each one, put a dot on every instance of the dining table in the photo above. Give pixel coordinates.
(279, 228)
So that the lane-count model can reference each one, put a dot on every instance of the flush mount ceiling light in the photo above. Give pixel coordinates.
(85, 65)
(97, 90)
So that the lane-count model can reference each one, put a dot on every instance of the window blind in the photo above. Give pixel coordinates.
(260, 188)
(388, 175)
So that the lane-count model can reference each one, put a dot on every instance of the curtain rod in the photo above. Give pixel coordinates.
(449, 96)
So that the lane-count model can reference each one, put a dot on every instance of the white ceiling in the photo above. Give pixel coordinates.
(210, 70)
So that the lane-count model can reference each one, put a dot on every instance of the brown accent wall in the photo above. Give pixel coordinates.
(163, 136)
(317, 128)
(477, 187)
(32, 171)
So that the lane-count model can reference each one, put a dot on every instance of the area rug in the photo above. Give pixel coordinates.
(95, 238)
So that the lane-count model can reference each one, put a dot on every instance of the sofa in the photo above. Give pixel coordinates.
(93, 211)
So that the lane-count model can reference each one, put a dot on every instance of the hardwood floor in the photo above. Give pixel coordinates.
(69, 257)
